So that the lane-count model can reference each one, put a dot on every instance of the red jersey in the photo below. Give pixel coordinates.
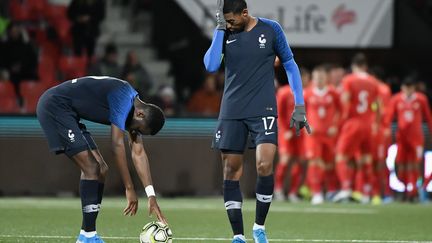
(363, 92)
(322, 107)
(285, 106)
(410, 113)
(385, 95)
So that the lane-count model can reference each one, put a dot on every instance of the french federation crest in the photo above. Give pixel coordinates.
(262, 41)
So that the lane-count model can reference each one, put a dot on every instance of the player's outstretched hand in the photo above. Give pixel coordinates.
(298, 119)
(153, 207)
(220, 20)
(132, 203)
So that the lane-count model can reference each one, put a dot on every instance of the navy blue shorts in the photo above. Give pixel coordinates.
(232, 136)
(61, 126)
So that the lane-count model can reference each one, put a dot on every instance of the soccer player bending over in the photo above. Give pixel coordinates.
(249, 46)
(107, 101)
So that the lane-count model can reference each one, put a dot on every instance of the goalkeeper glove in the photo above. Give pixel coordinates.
(220, 20)
(298, 119)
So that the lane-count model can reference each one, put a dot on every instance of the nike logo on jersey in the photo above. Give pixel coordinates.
(231, 41)
(268, 133)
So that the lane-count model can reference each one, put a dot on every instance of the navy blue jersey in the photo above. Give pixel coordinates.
(249, 72)
(99, 99)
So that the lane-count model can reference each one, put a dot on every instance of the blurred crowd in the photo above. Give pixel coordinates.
(45, 42)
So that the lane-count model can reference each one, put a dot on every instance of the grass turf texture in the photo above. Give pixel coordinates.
(205, 220)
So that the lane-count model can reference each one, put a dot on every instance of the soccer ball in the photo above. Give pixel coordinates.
(154, 232)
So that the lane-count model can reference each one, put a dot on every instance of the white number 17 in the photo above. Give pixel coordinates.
(269, 118)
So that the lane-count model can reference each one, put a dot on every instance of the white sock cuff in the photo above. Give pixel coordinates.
(257, 226)
(88, 234)
(240, 237)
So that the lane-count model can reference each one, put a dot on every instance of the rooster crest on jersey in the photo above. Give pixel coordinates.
(262, 40)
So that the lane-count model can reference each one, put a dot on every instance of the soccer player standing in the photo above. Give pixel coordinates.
(323, 108)
(410, 109)
(290, 148)
(249, 46)
(108, 101)
(360, 91)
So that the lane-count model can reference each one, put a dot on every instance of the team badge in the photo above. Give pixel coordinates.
(262, 40)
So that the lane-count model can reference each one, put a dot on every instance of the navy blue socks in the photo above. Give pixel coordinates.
(233, 203)
(264, 195)
(90, 201)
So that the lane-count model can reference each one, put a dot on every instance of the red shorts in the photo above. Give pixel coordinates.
(320, 147)
(355, 136)
(409, 151)
(293, 146)
(379, 148)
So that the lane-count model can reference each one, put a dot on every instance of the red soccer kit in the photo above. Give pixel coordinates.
(410, 112)
(285, 103)
(322, 107)
(381, 139)
(358, 115)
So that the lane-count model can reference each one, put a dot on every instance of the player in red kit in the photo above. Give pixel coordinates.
(323, 107)
(410, 109)
(383, 138)
(290, 148)
(360, 91)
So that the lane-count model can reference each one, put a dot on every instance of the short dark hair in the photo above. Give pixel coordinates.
(155, 118)
(359, 59)
(408, 81)
(234, 6)
(110, 48)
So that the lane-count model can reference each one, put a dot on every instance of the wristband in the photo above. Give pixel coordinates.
(150, 191)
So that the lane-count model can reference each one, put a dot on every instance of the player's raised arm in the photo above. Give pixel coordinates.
(118, 148)
(283, 51)
(142, 166)
(213, 56)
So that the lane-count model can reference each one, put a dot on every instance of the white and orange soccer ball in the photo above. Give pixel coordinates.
(155, 232)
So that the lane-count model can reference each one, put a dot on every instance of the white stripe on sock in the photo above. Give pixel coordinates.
(91, 208)
(233, 205)
(264, 198)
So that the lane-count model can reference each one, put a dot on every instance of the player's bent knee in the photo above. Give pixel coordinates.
(264, 168)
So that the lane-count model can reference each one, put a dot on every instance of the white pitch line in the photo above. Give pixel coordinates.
(215, 239)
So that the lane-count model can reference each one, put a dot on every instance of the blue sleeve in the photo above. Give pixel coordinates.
(213, 56)
(283, 51)
(120, 104)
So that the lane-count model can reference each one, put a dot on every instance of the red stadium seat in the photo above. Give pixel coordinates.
(73, 66)
(8, 99)
(9, 105)
(31, 91)
(27, 10)
(47, 70)
(54, 12)
(20, 11)
(50, 50)
(62, 27)
(7, 90)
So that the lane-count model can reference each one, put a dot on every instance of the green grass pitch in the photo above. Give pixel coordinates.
(205, 220)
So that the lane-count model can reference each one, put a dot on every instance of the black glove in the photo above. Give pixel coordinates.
(298, 119)
(220, 20)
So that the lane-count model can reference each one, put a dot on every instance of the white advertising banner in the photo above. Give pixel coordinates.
(315, 23)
